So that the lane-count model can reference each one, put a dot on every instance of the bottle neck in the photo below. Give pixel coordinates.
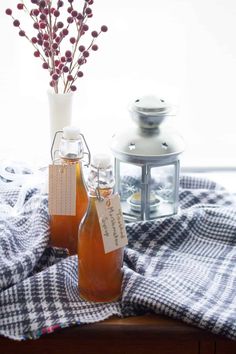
(100, 192)
(101, 180)
(71, 149)
(68, 160)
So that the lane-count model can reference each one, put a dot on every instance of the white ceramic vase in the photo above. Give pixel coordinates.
(60, 111)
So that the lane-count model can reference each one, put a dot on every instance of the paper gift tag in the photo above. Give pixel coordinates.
(62, 190)
(111, 223)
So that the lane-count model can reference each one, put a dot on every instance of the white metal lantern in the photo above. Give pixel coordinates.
(147, 162)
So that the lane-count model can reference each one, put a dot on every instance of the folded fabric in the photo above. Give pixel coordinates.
(182, 266)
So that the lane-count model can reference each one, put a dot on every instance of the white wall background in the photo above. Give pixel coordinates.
(182, 50)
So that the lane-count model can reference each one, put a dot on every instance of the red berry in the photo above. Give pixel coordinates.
(16, 23)
(65, 69)
(73, 88)
(35, 12)
(45, 66)
(94, 34)
(46, 44)
(36, 54)
(34, 40)
(55, 46)
(86, 54)
(81, 48)
(85, 27)
(55, 77)
(22, 33)
(72, 40)
(88, 11)
(70, 78)
(104, 28)
(70, 19)
(69, 9)
(60, 3)
(36, 25)
(42, 25)
(9, 12)
(65, 31)
(43, 17)
(60, 24)
(56, 13)
(80, 16)
(45, 36)
(74, 13)
(20, 6)
(80, 74)
(68, 54)
(63, 59)
(95, 47)
(80, 61)
(42, 3)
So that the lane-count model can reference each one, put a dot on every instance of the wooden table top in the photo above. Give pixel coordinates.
(146, 334)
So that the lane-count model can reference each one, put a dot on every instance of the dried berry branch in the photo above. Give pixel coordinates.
(62, 55)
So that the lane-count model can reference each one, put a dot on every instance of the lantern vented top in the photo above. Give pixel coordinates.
(149, 111)
(148, 141)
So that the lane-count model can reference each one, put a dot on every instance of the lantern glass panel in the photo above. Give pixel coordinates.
(162, 191)
(129, 189)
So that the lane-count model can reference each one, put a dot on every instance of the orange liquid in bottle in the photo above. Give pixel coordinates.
(100, 274)
(64, 229)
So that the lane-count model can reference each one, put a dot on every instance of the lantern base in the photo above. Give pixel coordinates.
(135, 202)
(162, 210)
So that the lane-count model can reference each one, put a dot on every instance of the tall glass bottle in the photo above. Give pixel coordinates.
(64, 228)
(100, 274)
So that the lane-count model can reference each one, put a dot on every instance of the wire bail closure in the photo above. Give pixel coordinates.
(97, 190)
(87, 152)
(53, 153)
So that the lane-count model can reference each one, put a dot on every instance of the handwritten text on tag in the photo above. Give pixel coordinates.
(111, 223)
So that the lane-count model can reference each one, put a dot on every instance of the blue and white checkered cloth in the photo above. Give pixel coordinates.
(182, 266)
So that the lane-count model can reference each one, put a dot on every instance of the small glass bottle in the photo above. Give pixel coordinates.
(100, 274)
(64, 228)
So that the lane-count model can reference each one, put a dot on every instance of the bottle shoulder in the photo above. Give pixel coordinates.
(90, 219)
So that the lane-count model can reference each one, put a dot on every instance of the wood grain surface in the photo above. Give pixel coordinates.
(147, 334)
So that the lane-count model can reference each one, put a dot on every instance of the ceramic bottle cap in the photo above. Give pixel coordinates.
(102, 161)
(71, 133)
